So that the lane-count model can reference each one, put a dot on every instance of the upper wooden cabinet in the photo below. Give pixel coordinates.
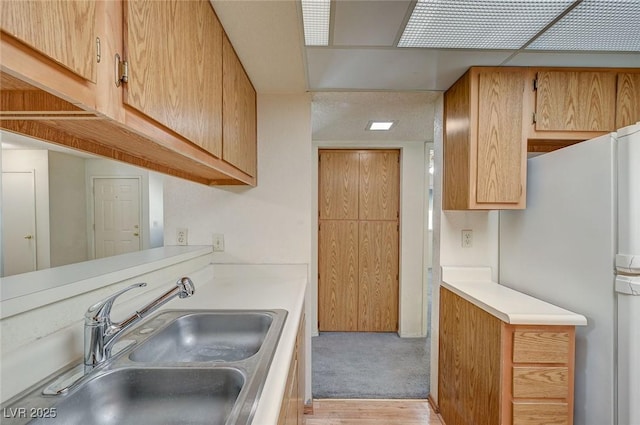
(166, 115)
(50, 27)
(239, 116)
(485, 146)
(494, 116)
(571, 105)
(628, 99)
(174, 54)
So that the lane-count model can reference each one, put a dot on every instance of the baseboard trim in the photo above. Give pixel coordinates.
(433, 404)
(308, 409)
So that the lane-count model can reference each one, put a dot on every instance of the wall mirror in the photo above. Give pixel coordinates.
(61, 206)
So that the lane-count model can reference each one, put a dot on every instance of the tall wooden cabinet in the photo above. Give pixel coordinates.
(358, 240)
(139, 81)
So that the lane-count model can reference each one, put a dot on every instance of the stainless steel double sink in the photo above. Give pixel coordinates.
(178, 367)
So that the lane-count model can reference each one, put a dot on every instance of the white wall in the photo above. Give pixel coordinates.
(413, 319)
(67, 209)
(38, 161)
(270, 223)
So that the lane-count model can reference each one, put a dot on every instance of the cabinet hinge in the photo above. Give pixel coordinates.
(121, 70)
(534, 118)
(98, 50)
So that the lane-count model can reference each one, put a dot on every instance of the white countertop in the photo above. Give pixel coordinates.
(218, 286)
(508, 305)
(251, 289)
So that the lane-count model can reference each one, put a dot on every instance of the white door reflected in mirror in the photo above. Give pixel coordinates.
(18, 222)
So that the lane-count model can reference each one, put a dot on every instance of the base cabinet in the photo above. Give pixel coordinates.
(292, 409)
(491, 372)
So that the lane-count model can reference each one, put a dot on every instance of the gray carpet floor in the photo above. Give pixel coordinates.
(369, 365)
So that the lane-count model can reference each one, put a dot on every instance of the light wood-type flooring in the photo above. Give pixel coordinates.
(372, 412)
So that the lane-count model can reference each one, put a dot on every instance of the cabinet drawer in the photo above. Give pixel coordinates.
(540, 413)
(540, 382)
(540, 347)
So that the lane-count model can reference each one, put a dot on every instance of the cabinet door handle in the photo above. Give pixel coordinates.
(28, 237)
(136, 234)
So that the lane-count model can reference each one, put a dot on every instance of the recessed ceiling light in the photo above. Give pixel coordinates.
(315, 16)
(595, 26)
(380, 125)
(478, 24)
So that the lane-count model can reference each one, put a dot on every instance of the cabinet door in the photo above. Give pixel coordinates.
(575, 101)
(174, 51)
(501, 151)
(628, 100)
(62, 30)
(239, 116)
(379, 193)
(378, 276)
(338, 173)
(338, 269)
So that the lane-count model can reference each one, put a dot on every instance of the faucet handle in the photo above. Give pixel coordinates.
(100, 312)
(187, 288)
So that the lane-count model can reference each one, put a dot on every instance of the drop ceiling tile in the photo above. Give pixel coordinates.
(478, 24)
(595, 25)
(368, 23)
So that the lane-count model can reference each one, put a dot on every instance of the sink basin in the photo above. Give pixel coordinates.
(152, 396)
(206, 337)
(177, 367)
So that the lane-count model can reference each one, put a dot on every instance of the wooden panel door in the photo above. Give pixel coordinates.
(378, 276)
(576, 101)
(338, 175)
(628, 100)
(338, 269)
(182, 93)
(500, 149)
(239, 146)
(62, 30)
(358, 240)
(379, 191)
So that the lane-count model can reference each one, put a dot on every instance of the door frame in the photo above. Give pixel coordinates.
(92, 210)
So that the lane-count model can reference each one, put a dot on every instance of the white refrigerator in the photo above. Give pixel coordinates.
(577, 245)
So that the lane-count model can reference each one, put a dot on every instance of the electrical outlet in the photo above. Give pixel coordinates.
(467, 238)
(182, 236)
(218, 242)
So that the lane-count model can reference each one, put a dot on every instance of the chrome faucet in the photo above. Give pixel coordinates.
(100, 333)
